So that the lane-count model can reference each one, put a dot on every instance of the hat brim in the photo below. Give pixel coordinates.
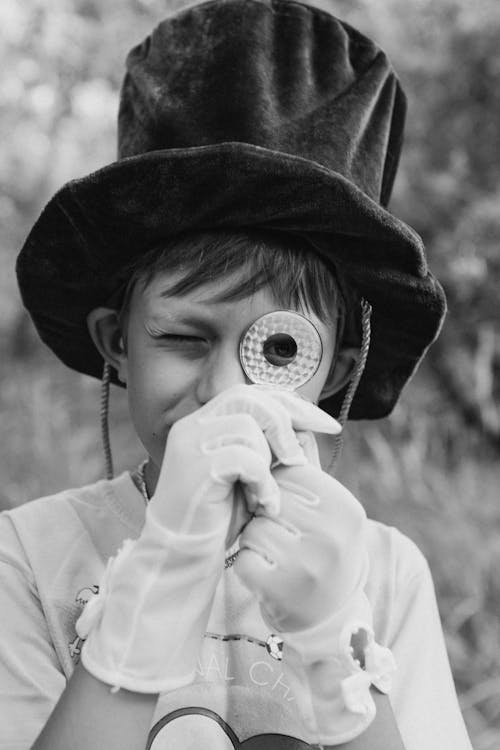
(76, 254)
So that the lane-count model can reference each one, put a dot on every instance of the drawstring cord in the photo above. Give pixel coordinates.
(104, 412)
(366, 312)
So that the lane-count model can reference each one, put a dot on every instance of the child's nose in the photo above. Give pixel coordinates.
(220, 371)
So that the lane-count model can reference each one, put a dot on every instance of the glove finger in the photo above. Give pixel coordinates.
(271, 538)
(305, 415)
(271, 416)
(311, 498)
(253, 570)
(233, 429)
(240, 463)
(308, 443)
(265, 580)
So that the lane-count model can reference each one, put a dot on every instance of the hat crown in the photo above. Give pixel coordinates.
(276, 74)
(263, 114)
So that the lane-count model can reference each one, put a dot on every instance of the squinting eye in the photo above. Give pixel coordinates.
(179, 337)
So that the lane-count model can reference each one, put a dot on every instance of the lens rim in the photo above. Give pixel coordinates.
(288, 328)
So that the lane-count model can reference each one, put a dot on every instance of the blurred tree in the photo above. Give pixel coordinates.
(61, 65)
(452, 175)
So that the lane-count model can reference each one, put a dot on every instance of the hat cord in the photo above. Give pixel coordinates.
(104, 411)
(366, 311)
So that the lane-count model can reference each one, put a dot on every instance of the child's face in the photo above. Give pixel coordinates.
(183, 351)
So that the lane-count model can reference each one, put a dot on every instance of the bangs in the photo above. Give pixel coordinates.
(245, 262)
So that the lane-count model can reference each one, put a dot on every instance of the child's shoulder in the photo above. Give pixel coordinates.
(100, 515)
(391, 550)
(398, 577)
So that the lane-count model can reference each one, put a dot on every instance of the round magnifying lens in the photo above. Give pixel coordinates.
(281, 348)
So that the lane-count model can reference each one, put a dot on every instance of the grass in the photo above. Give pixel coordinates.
(419, 470)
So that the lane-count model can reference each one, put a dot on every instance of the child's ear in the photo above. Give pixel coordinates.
(343, 370)
(105, 330)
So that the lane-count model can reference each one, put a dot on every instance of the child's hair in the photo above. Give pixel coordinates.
(297, 278)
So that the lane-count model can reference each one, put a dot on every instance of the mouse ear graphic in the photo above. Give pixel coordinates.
(203, 727)
(276, 742)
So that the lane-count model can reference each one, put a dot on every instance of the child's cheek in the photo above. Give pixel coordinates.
(161, 391)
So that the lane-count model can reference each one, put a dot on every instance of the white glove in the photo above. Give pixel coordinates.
(308, 568)
(145, 627)
(253, 417)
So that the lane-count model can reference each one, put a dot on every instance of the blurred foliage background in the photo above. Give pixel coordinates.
(430, 469)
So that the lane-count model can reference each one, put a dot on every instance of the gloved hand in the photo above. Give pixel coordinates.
(308, 567)
(145, 627)
(265, 421)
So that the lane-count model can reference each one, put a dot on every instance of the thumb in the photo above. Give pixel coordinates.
(308, 443)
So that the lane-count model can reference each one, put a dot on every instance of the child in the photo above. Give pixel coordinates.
(230, 592)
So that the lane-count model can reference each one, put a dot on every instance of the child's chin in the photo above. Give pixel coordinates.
(240, 516)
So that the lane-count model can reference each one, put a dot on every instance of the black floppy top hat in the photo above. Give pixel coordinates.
(264, 114)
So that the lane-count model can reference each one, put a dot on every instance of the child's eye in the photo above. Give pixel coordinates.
(178, 338)
(182, 341)
(188, 345)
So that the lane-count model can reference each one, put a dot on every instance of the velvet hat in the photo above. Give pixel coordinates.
(265, 114)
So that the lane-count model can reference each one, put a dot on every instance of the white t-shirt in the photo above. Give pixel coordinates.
(52, 555)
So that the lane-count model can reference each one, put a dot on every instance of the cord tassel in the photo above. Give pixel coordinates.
(104, 417)
(366, 312)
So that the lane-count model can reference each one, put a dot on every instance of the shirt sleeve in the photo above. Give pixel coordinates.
(424, 698)
(31, 679)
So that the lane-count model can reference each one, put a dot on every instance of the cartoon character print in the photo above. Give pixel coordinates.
(197, 727)
(82, 597)
(87, 593)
